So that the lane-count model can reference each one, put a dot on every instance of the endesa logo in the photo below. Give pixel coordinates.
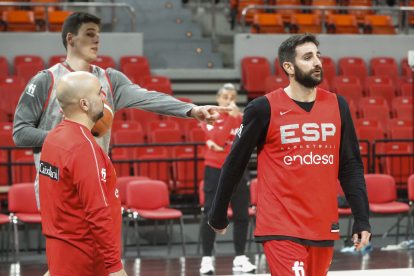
(309, 159)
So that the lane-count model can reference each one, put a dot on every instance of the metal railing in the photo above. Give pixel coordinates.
(75, 4)
(400, 10)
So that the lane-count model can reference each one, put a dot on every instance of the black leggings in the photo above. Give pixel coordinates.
(239, 203)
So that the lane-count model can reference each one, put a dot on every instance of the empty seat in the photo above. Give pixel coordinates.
(404, 111)
(19, 21)
(330, 3)
(387, 91)
(342, 24)
(360, 14)
(143, 117)
(402, 132)
(191, 124)
(131, 59)
(104, 62)
(4, 67)
(344, 79)
(23, 173)
(119, 157)
(373, 100)
(181, 122)
(329, 69)
(324, 85)
(400, 101)
(156, 169)
(377, 79)
(9, 94)
(166, 136)
(275, 82)
(304, 22)
(162, 124)
(268, 23)
(350, 90)
(122, 115)
(128, 136)
(278, 69)
(255, 70)
(122, 125)
(39, 11)
(184, 171)
(196, 135)
(378, 24)
(56, 59)
(239, 5)
(11, 80)
(56, 20)
(380, 112)
(157, 83)
(353, 67)
(406, 89)
(367, 122)
(370, 133)
(27, 66)
(136, 72)
(392, 123)
(287, 13)
(363, 148)
(384, 66)
(400, 167)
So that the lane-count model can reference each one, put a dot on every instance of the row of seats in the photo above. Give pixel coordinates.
(257, 78)
(30, 21)
(268, 23)
(239, 5)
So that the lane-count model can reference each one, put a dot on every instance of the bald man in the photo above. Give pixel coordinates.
(81, 208)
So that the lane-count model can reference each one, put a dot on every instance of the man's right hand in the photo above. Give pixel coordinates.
(235, 110)
(119, 273)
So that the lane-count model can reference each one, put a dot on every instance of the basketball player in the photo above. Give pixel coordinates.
(38, 111)
(80, 204)
(219, 138)
(306, 141)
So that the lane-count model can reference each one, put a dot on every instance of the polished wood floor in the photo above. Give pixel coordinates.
(375, 263)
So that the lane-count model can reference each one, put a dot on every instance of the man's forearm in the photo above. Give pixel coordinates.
(30, 137)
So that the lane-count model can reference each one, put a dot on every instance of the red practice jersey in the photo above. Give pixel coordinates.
(80, 204)
(298, 169)
(222, 132)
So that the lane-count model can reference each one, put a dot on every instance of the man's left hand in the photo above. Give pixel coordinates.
(365, 235)
(208, 113)
(221, 231)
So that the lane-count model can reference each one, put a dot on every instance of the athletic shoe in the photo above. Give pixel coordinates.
(242, 264)
(207, 265)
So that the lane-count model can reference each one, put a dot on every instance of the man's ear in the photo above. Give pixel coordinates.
(84, 104)
(69, 39)
(289, 68)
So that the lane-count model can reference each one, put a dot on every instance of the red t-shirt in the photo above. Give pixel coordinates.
(298, 169)
(222, 132)
(79, 203)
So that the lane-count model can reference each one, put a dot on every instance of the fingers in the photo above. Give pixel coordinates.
(364, 240)
(205, 112)
(221, 108)
(221, 231)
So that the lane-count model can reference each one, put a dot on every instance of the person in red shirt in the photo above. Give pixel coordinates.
(79, 199)
(219, 138)
(306, 141)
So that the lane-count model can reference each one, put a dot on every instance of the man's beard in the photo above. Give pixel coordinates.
(96, 117)
(306, 79)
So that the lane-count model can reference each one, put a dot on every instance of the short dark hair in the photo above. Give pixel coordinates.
(73, 23)
(287, 50)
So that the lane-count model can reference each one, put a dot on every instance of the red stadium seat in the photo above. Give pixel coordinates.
(276, 82)
(377, 80)
(378, 24)
(162, 124)
(23, 173)
(401, 81)
(4, 178)
(131, 59)
(370, 133)
(184, 171)
(304, 22)
(392, 123)
(121, 154)
(191, 124)
(39, 11)
(11, 80)
(128, 136)
(383, 66)
(405, 68)
(406, 89)
(125, 125)
(400, 167)
(122, 183)
(156, 169)
(363, 148)
(400, 101)
(104, 62)
(19, 21)
(344, 79)
(267, 23)
(278, 69)
(255, 70)
(168, 135)
(355, 68)
(8, 8)
(181, 122)
(382, 196)
(157, 83)
(287, 13)
(402, 132)
(56, 19)
(380, 112)
(56, 59)
(329, 70)
(9, 94)
(330, 3)
(404, 111)
(122, 115)
(387, 91)
(196, 135)
(239, 5)
(143, 117)
(350, 90)
(27, 66)
(324, 85)
(4, 67)
(342, 24)
(350, 60)
(137, 71)
(360, 14)
(368, 123)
